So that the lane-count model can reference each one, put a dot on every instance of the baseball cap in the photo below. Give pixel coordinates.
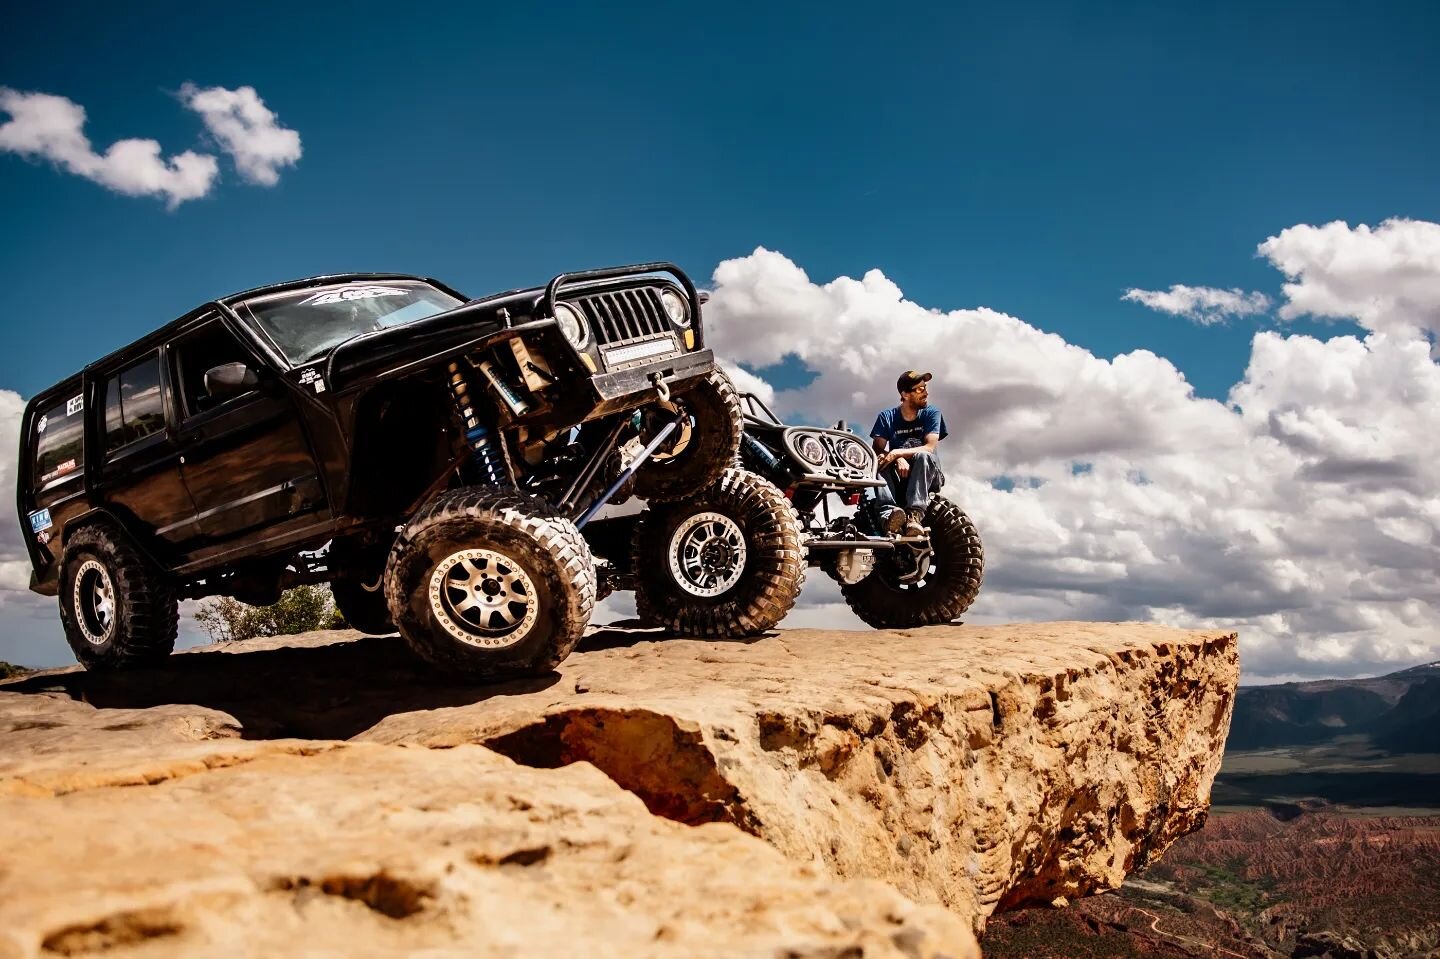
(911, 379)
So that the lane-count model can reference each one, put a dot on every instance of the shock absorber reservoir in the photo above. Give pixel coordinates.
(484, 440)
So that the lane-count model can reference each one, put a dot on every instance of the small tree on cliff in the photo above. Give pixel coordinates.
(300, 610)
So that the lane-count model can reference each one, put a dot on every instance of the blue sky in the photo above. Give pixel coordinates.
(1038, 159)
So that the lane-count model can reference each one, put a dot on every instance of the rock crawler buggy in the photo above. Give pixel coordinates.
(449, 451)
(730, 560)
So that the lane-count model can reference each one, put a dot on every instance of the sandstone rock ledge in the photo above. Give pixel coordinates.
(264, 800)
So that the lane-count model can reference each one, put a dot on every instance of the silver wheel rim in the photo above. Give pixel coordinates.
(707, 554)
(94, 602)
(483, 598)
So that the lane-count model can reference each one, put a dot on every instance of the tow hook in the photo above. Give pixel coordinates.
(662, 388)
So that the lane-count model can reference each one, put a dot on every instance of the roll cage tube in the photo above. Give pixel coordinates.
(552, 289)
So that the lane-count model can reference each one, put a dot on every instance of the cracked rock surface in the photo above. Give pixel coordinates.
(278, 798)
(982, 767)
(370, 850)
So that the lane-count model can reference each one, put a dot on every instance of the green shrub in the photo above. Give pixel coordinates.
(300, 610)
(8, 669)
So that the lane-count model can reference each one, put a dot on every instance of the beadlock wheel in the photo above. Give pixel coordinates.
(490, 583)
(94, 602)
(483, 598)
(118, 610)
(707, 554)
(729, 562)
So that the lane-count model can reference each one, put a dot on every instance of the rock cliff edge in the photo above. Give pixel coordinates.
(808, 793)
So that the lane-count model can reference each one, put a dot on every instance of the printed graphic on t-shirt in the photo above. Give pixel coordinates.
(902, 434)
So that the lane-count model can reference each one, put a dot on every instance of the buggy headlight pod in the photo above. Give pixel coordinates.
(573, 325)
(675, 307)
(855, 454)
(808, 447)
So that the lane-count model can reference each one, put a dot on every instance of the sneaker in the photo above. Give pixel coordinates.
(915, 522)
(892, 521)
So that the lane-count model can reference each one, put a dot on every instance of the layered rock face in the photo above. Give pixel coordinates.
(896, 787)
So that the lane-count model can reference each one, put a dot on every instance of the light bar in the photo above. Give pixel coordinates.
(644, 350)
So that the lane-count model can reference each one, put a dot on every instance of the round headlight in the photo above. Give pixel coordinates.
(573, 325)
(675, 307)
(854, 454)
(810, 449)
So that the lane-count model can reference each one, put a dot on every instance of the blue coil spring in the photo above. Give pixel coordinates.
(484, 442)
(488, 455)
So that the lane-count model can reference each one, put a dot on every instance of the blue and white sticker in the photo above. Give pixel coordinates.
(40, 521)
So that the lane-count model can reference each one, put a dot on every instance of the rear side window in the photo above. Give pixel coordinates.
(134, 408)
(60, 439)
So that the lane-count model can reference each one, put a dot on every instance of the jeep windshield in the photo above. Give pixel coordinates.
(312, 322)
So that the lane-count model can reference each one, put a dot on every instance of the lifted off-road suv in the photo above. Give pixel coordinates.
(447, 450)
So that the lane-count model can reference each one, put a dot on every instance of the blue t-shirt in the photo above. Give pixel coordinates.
(902, 434)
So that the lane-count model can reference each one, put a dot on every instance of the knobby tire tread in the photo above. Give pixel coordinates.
(489, 511)
(764, 595)
(881, 602)
(147, 611)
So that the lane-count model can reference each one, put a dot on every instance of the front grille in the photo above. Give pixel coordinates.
(625, 315)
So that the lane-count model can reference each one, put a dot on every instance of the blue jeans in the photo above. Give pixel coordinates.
(911, 491)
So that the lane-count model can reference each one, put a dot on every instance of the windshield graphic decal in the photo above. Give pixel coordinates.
(351, 293)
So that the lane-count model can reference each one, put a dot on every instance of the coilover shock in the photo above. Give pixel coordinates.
(484, 440)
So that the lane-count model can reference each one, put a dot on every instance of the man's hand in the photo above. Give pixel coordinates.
(902, 467)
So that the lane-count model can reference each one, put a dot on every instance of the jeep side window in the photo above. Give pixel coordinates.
(59, 439)
(134, 408)
(203, 351)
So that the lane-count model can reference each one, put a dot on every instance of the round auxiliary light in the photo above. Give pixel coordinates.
(573, 325)
(810, 449)
(675, 307)
(855, 455)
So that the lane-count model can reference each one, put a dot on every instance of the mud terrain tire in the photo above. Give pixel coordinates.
(715, 424)
(117, 609)
(670, 540)
(490, 583)
(956, 570)
(363, 609)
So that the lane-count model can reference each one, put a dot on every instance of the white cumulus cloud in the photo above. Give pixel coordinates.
(1387, 278)
(43, 126)
(14, 560)
(1303, 512)
(1205, 305)
(246, 129)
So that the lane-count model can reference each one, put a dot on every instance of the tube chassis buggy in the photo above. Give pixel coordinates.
(730, 560)
(889, 580)
(448, 450)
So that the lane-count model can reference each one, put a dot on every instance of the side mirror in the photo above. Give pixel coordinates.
(229, 380)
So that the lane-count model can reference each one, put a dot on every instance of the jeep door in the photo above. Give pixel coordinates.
(247, 461)
(139, 471)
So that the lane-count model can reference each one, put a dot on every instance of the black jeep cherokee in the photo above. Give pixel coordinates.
(447, 450)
